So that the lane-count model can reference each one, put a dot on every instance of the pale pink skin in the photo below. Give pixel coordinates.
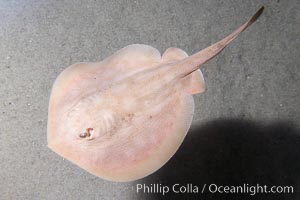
(125, 117)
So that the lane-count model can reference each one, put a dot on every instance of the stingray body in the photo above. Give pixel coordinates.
(124, 117)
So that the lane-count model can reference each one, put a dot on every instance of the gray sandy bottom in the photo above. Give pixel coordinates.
(246, 124)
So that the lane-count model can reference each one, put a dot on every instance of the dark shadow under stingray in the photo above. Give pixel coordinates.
(233, 152)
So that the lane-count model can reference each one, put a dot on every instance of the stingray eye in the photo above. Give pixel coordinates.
(87, 133)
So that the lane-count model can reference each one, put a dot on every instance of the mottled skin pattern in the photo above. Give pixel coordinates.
(123, 118)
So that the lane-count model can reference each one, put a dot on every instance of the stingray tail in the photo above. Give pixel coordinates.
(193, 62)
